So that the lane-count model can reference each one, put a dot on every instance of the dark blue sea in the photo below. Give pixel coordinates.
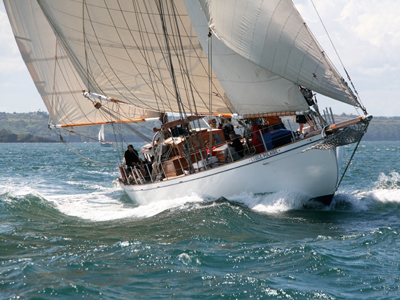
(68, 232)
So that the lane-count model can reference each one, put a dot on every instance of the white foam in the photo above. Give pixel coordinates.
(271, 203)
(390, 181)
(87, 185)
(103, 203)
(19, 191)
(386, 190)
(100, 207)
(356, 202)
(386, 196)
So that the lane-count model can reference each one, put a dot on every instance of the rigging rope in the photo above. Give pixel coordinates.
(169, 56)
(184, 66)
(341, 62)
(210, 68)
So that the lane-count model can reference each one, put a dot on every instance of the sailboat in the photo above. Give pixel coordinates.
(102, 141)
(248, 64)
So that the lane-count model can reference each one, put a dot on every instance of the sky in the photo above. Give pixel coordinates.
(365, 33)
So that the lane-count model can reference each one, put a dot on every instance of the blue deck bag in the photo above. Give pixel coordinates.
(277, 138)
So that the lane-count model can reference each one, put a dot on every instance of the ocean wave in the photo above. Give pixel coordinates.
(27, 205)
(272, 202)
(111, 203)
(386, 190)
(98, 206)
(391, 181)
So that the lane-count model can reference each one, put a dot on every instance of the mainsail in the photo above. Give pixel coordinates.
(141, 52)
(158, 56)
(53, 73)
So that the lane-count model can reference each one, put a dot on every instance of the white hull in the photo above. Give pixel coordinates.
(312, 173)
(104, 144)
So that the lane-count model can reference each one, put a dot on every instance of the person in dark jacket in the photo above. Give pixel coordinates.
(227, 127)
(235, 149)
(236, 143)
(131, 157)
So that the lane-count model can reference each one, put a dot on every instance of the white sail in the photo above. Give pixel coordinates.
(127, 50)
(272, 35)
(101, 134)
(151, 53)
(250, 88)
(53, 73)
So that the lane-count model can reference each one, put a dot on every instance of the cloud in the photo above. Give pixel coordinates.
(8, 47)
(366, 35)
(11, 64)
(360, 24)
(376, 22)
(15, 82)
(10, 58)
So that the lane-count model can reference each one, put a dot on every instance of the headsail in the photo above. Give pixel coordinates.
(272, 35)
(250, 88)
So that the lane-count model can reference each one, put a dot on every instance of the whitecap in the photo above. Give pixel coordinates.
(271, 203)
(98, 206)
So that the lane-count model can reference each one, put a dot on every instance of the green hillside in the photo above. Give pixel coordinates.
(14, 127)
(7, 136)
(32, 127)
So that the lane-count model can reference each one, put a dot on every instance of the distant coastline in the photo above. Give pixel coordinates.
(7, 136)
(32, 128)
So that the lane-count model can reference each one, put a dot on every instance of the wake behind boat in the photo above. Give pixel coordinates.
(188, 63)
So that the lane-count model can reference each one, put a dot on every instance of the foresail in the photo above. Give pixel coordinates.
(53, 73)
(250, 88)
(272, 35)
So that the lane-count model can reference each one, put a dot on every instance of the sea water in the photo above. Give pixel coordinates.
(67, 231)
